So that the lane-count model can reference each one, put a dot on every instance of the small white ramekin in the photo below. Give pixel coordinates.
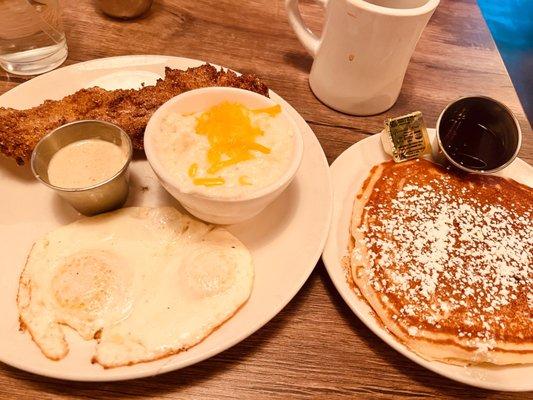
(210, 208)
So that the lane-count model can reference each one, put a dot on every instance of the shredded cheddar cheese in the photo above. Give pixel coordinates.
(193, 169)
(272, 111)
(232, 139)
(244, 181)
(209, 181)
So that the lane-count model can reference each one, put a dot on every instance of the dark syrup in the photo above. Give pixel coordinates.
(474, 146)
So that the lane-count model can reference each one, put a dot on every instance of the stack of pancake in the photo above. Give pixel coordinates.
(446, 261)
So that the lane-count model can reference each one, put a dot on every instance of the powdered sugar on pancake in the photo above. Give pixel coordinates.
(449, 254)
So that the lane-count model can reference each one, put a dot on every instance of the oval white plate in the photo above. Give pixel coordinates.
(298, 220)
(348, 173)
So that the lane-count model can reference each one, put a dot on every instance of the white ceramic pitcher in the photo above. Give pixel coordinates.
(361, 58)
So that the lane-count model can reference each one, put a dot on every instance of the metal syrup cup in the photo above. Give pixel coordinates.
(101, 197)
(503, 123)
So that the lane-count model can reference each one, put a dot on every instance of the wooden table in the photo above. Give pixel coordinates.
(316, 346)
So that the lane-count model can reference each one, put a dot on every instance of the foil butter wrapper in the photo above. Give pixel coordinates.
(406, 137)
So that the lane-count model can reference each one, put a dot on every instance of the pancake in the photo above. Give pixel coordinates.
(446, 261)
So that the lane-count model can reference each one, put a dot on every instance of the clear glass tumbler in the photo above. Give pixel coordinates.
(32, 40)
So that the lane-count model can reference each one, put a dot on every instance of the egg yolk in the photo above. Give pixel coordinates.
(231, 136)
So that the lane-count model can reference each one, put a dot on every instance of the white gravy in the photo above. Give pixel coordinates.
(85, 163)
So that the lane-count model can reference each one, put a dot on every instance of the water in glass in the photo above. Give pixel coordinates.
(32, 40)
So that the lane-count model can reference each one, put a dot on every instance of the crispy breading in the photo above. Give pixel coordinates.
(20, 130)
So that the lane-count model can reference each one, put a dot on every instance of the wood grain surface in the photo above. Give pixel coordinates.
(315, 347)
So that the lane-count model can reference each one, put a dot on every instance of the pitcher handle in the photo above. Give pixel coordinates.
(308, 39)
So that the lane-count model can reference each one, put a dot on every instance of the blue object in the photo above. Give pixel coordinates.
(511, 25)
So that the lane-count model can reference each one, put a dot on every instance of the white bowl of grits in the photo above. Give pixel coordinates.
(223, 153)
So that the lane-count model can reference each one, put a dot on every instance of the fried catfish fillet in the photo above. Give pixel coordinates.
(20, 130)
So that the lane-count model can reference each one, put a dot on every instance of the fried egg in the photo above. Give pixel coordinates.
(144, 282)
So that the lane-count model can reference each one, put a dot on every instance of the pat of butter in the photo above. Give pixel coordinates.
(406, 137)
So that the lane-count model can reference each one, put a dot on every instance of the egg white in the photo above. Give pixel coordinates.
(144, 282)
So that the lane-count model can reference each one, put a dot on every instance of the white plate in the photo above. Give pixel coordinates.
(285, 240)
(348, 173)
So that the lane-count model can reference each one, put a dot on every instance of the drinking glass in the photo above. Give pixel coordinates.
(32, 40)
